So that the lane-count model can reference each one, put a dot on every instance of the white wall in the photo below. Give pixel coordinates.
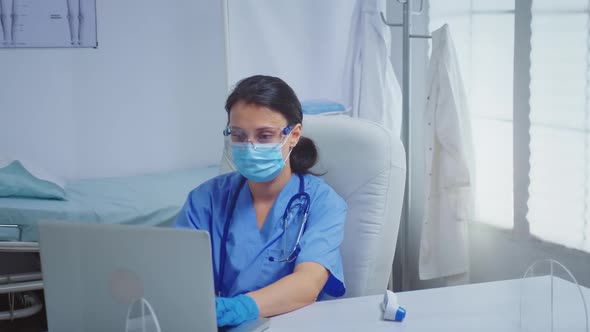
(272, 37)
(150, 98)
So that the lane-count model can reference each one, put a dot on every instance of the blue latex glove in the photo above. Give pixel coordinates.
(235, 310)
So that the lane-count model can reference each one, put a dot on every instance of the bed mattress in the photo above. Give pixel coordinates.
(153, 199)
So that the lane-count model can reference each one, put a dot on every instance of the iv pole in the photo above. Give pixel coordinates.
(406, 122)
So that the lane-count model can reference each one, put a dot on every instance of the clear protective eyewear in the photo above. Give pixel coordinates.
(263, 135)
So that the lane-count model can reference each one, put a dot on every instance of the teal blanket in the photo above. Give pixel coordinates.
(146, 199)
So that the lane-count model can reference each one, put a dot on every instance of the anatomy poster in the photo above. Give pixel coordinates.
(47, 23)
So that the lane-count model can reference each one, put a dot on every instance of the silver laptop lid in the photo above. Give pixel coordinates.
(95, 274)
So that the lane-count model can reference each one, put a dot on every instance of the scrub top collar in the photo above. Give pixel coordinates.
(272, 227)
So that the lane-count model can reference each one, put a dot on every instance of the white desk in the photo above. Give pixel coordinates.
(481, 307)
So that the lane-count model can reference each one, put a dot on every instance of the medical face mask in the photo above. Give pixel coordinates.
(259, 162)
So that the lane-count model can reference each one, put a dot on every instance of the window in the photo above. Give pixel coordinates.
(560, 151)
(558, 109)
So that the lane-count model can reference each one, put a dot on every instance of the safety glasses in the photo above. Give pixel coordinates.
(264, 135)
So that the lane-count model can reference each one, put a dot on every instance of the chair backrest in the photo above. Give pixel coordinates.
(365, 164)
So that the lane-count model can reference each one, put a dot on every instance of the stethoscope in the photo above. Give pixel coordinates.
(304, 206)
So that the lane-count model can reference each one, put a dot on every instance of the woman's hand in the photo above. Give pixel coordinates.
(235, 310)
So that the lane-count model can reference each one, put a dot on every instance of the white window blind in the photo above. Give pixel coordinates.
(559, 199)
(483, 33)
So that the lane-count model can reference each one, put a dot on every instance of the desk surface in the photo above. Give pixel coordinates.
(481, 307)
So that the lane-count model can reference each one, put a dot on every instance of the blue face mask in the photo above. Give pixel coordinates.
(258, 162)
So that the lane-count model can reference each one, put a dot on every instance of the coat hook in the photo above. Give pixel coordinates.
(389, 23)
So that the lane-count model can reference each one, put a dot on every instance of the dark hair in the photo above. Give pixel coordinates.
(274, 93)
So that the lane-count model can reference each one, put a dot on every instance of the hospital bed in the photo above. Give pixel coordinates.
(153, 199)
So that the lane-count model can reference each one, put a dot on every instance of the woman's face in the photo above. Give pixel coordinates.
(260, 124)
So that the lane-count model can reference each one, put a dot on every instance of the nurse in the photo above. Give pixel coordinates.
(275, 228)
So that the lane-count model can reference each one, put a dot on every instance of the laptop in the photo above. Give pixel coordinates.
(129, 279)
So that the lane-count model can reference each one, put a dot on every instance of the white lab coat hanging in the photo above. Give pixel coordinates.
(372, 88)
(449, 166)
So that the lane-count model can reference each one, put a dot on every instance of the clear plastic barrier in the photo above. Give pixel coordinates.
(551, 299)
(141, 318)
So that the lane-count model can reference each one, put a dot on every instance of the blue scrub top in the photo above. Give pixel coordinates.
(248, 267)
